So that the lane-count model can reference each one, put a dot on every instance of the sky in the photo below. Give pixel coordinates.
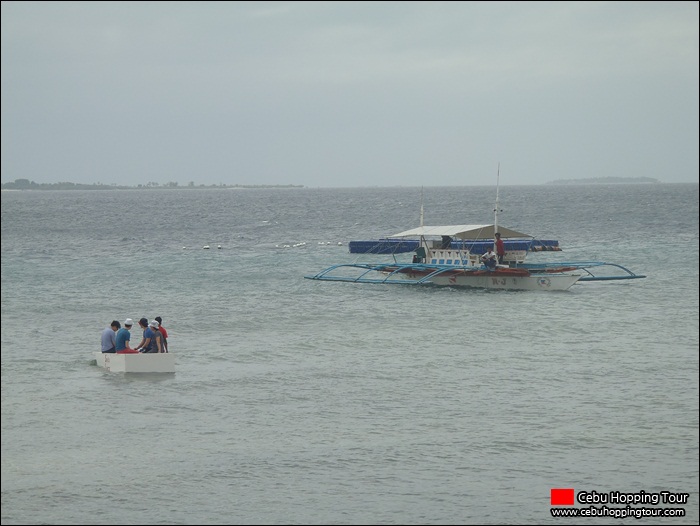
(349, 94)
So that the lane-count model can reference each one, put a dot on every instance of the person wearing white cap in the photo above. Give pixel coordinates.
(157, 344)
(124, 337)
(162, 331)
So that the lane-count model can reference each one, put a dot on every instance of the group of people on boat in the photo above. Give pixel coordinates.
(117, 339)
(491, 259)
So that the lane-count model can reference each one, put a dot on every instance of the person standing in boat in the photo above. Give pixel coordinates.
(489, 259)
(500, 249)
(162, 331)
(109, 337)
(124, 337)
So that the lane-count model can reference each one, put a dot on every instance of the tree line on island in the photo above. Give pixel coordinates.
(606, 180)
(26, 184)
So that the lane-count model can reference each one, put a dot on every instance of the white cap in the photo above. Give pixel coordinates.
(154, 324)
(128, 322)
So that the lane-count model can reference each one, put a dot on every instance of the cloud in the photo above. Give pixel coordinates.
(348, 93)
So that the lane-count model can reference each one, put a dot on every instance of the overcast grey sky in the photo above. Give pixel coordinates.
(349, 93)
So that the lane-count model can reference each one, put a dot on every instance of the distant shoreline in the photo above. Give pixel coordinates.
(607, 180)
(26, 184)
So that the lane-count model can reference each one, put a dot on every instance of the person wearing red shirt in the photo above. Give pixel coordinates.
(163, 332)
(500, 249)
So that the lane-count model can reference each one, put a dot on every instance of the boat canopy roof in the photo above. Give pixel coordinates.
(462, 232)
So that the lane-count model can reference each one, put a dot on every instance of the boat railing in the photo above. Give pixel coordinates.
(392, 273)
(464, 257)
(419, 273)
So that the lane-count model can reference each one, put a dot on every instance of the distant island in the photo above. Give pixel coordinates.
(606, 180)
(26, 184)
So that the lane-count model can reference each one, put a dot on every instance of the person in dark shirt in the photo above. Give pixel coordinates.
(163, 332)
(157, 345)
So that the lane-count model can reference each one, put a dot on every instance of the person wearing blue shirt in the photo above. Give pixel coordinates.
(109, 337)
(145, 344)
(123, 337)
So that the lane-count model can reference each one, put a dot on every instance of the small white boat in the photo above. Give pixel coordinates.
(136, 362)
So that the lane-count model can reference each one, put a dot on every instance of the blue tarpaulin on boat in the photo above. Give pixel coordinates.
(401, 246)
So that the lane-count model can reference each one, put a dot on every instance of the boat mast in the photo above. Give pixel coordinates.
(422, 243)
(421, 207)
(496, 208)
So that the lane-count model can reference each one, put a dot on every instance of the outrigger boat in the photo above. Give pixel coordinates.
(458, 263)
(452, 263)
(451, 255)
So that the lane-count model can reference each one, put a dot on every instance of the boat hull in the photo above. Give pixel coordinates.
(563, 282)
(136, 363)
(502, 279)
(449, 276)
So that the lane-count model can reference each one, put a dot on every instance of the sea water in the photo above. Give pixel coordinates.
(305, 402)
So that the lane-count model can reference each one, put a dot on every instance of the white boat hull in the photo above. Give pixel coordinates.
(533, 282)
(137, 362)
(448, 276)
(501, 278)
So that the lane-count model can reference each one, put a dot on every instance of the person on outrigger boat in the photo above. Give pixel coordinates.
(489, 259)
(500, 248)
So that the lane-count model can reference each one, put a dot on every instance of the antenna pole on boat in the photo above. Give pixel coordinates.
(422, 242)
(495, 210)
(421, 207)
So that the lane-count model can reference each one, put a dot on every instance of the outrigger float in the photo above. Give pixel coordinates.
(451, 255)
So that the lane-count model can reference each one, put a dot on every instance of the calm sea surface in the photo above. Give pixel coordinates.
(305, 402)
